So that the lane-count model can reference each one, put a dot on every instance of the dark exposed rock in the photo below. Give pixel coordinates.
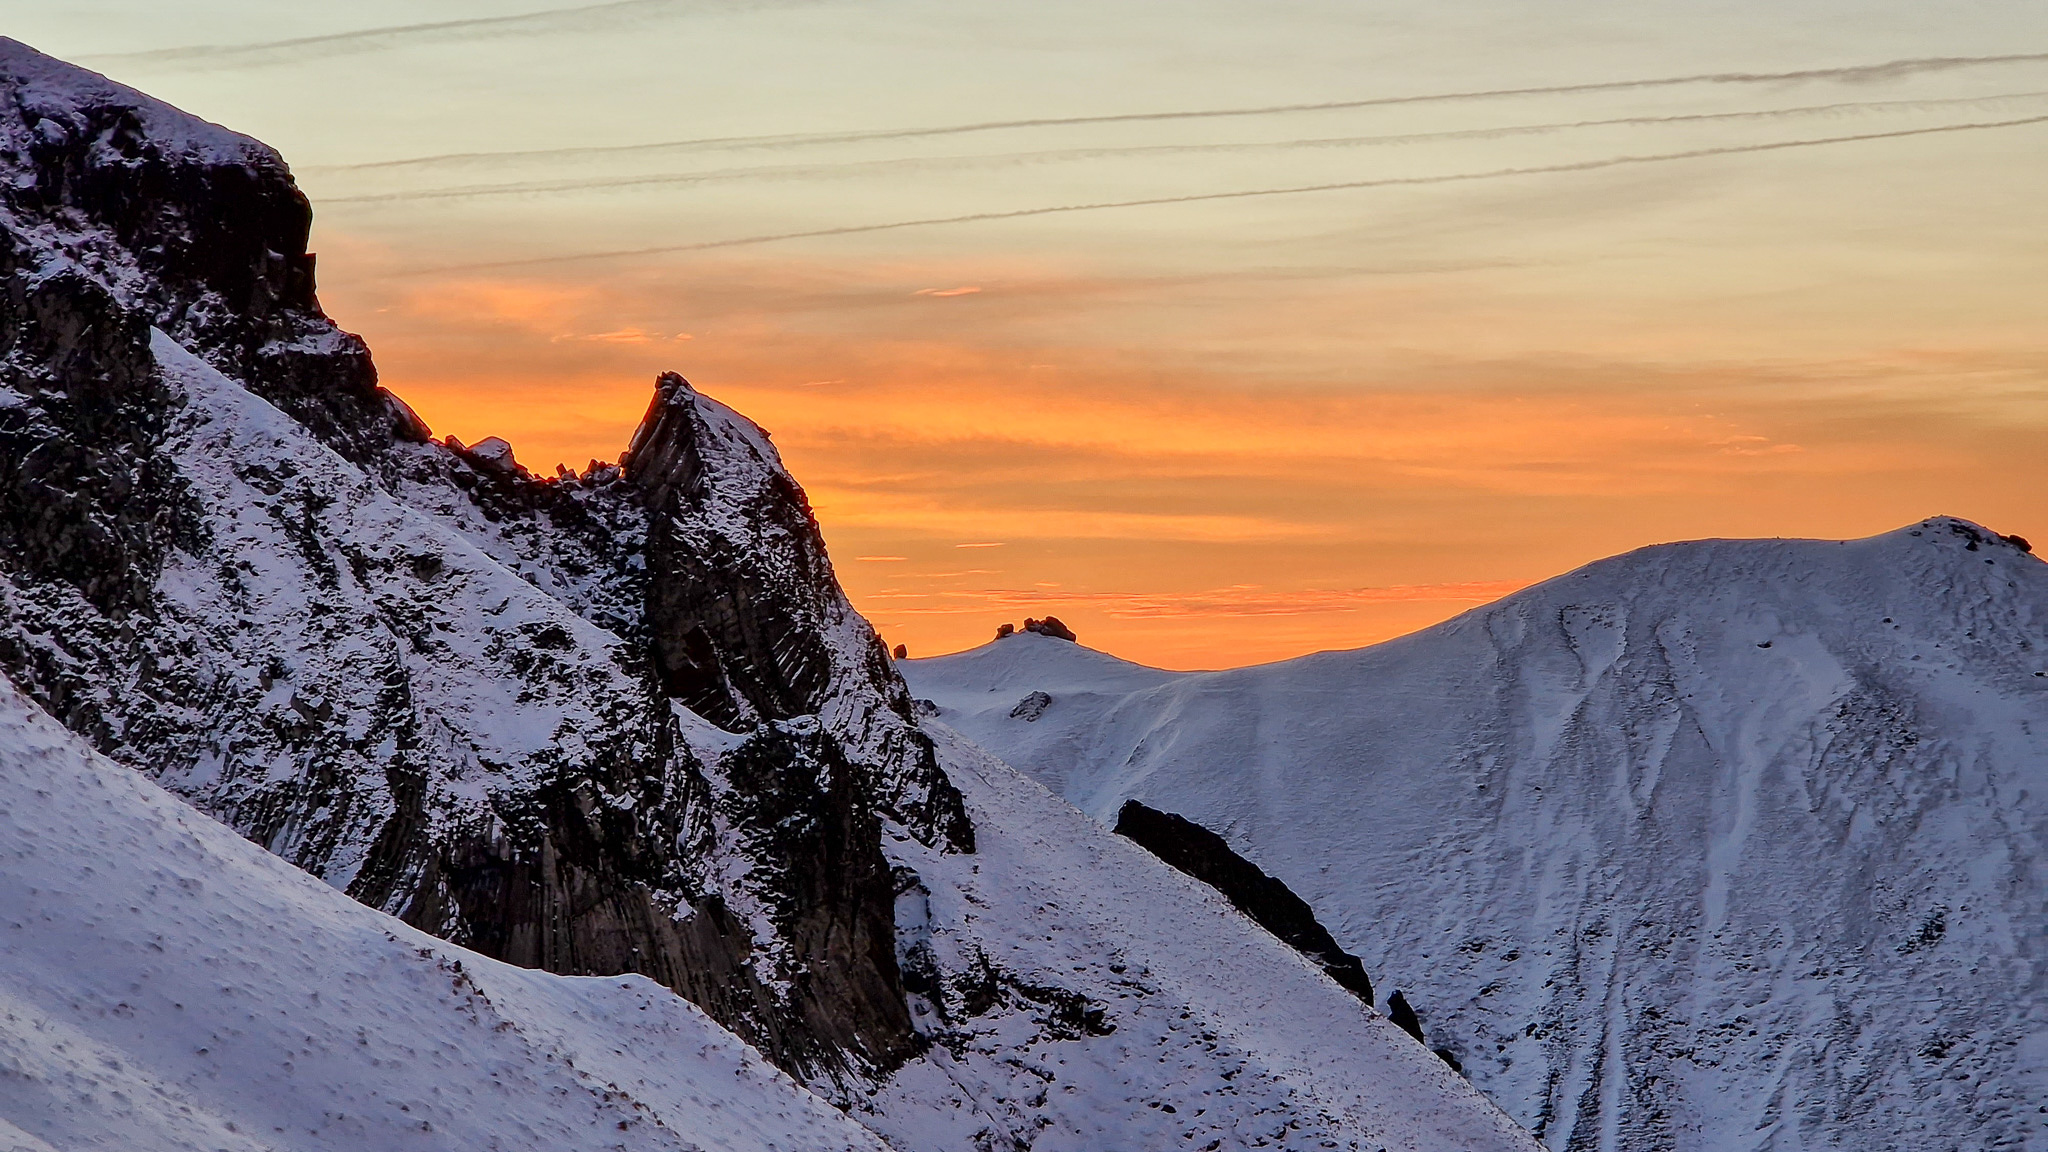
(1402, 1015)
(900, 652)
(210, 229)
(1050, 626)
(1205, 856)
(85, 495)
(1975, 536)
(1031, 707)
(1004, 631)
(745, 618)
(735, 629)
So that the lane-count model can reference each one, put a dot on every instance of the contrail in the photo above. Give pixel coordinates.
(1293, 190)
(362, 38)
(796, 171)
(1851, 73)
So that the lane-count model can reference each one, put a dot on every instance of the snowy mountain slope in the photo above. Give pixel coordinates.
(1094, 998)
(168, 985)
(1712, 846)
(622, 721)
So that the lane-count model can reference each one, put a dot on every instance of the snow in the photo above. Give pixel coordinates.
(52, 92)
(1717, 846)
(339, 605)
(1223, 1036)
(168, 985)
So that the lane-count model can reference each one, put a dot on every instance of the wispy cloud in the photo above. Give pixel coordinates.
(1249, 193)
(619, 336)
(298, 48)
(1855, 73)
(1237, 600)
(928, 163)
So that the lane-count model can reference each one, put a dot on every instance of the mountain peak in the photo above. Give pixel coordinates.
(61, 102)
(1971, 535)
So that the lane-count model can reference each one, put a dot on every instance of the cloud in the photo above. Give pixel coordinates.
(619, 336)
(298, 48)
(1753, 446)
(1236, 600)
(929, 163)
(964, 291)
(1249, 193)
(1889, 70)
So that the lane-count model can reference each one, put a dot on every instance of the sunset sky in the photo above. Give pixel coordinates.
(1223, 331)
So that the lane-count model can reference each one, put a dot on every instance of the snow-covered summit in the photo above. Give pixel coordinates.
(53, 99)
(1721, 845)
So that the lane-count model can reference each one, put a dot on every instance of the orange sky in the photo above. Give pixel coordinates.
(1584, 277)
(977, 457)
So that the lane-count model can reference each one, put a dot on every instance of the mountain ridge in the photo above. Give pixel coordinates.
(622, 721)
(1674, 850)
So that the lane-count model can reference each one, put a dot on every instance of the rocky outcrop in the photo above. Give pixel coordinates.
(1050, 626)
(1404, 1017)
(1205, 856)
(617, 721)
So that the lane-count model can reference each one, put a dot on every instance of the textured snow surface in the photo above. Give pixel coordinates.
(52, 90)
(1222, 1036)
(1719, 846)
(164, 984)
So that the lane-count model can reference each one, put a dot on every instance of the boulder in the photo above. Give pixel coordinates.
(1050, 626)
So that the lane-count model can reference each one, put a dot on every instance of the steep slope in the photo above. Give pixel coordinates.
(1188, 847)
(617, 722)
(1722, 845)
(169, 985)
(1081, 995)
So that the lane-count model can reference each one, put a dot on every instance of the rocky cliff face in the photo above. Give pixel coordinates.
(623, 721)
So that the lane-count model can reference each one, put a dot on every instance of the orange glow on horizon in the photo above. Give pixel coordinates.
(1190, 512)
